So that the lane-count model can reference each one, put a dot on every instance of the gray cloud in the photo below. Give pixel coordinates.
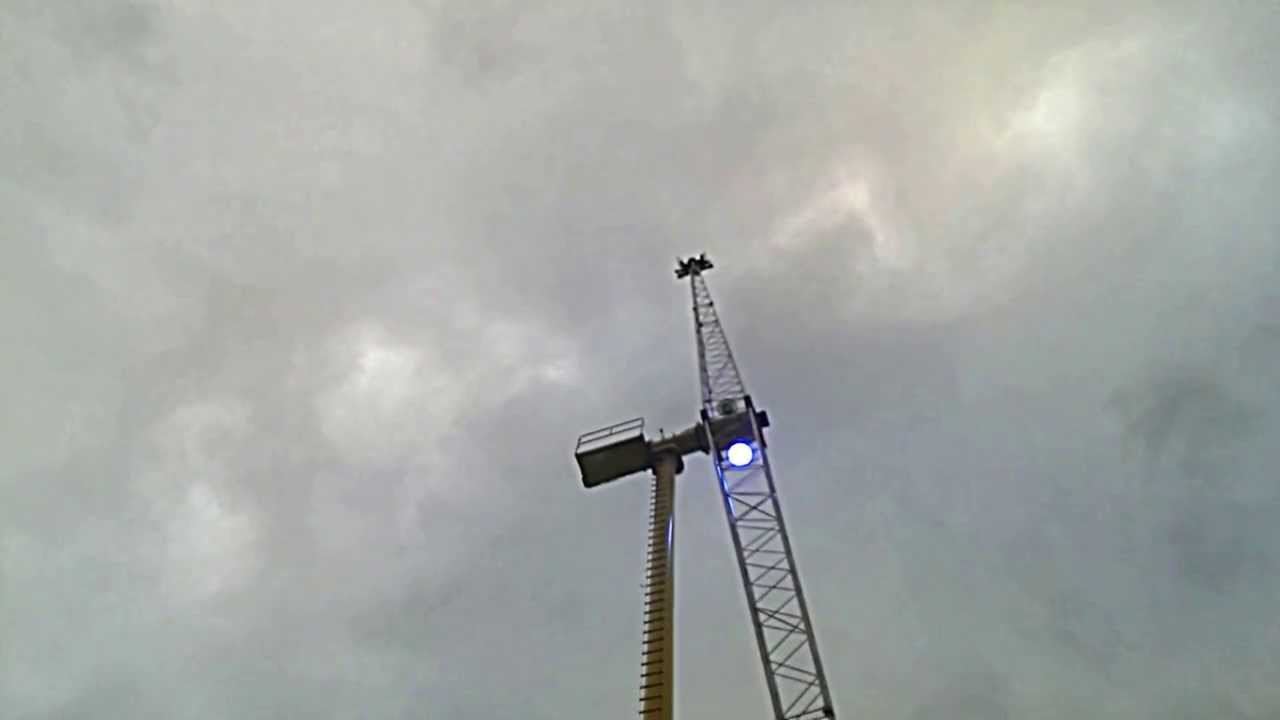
(307, 302)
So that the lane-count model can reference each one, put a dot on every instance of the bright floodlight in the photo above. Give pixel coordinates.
(740, 454)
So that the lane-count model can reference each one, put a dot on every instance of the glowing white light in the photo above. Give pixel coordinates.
(740, 454)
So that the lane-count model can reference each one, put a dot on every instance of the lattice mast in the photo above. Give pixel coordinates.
(779, 614)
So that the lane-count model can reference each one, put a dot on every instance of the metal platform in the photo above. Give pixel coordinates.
(612, 452)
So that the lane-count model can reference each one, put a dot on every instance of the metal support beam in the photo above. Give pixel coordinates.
(784, 634)
(657, 664)
(793, 671)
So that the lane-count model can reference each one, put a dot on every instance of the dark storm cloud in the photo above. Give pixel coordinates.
(307, 302)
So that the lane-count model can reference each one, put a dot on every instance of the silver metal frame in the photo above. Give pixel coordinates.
(784, 634)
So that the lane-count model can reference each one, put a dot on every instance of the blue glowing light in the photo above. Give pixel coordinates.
(740, 453)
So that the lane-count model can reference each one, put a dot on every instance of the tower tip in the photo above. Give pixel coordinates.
(692, 266)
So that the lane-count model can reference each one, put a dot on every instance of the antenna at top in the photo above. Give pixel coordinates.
(692, 266)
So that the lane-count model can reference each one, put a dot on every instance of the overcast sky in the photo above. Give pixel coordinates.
(304, 304)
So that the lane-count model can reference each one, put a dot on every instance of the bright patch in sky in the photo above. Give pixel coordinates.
(848, 205)
(210, 547)
(920, 250)
(383, 399)
(384, 374)
(1054, 114)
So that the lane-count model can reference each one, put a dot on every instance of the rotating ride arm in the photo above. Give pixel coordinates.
(784, 634)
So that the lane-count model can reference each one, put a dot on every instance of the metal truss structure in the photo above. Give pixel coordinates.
(793, 671)
(731, 432)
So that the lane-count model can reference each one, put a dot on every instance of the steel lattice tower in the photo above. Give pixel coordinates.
(730, 421)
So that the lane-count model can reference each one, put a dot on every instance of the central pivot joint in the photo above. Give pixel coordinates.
(619, 450)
